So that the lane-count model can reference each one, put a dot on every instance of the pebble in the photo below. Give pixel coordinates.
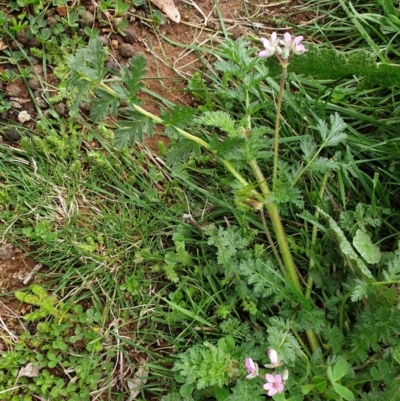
(11, 135)
(126, 50)
(41, 102)
(21, 36)
(61, 109)
(130, 35)
(13, 90)
(86, 18)
(112, 65)
(34, 83)
(103, 40)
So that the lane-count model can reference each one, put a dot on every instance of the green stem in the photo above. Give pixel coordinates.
(310, 280)
(277, 126)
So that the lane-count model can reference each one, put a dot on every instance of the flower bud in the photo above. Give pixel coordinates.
(273, 356)
(252, 368)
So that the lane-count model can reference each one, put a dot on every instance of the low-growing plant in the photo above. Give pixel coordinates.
(319, 293)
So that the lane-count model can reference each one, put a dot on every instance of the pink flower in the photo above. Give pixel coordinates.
(270, 46)
(292, 44)
(274, 385)
(252, 368)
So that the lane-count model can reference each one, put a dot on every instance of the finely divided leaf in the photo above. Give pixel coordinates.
(133, 74)
(133, 129)
(369, 251)
(102, 105)
(345, 245)
(219, 119)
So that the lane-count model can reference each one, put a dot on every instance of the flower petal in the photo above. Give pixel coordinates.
(279, 388)
(270, 378)
(278, 379)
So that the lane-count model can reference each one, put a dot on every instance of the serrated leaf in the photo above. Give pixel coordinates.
(135, 128)
(181, 150)
(369, 251)
(345, 245)
(343, 392)
(178, 117)
(102, 105)
(308, 147)
(133, 74)
(340, 369)
(227, 148)
(220, 119)
(323, 165)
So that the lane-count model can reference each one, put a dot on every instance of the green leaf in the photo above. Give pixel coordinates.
(133, 74)
(102, 105)
(345, 245)
(340, 369)
(227, 344)
(319, 383)
(221, 393)
(220, 119)
(374, 372)
(383, 367)
(369, 251)
(343, 392)
(186, 390)
(305, 389)
(132, 129)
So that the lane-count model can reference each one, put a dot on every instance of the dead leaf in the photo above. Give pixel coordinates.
(169, 9)
(29, 371)
(139, 380)
(3, 46)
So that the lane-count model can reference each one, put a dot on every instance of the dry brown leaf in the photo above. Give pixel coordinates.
(169, 9)
(29, 371)
(3, 46)
(138, 381)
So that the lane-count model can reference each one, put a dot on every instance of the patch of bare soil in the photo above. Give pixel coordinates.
(16, 271)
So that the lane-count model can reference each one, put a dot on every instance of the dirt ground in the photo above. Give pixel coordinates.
(169, 67)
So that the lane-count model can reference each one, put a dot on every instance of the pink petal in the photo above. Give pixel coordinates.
(273, 37)
(265, 53)
(270, 378)
(297, 39)
(272, 392)
(278, 379)
(268, 386)
(264, 41)
(279, 388)
(288, 37)
(250, 365)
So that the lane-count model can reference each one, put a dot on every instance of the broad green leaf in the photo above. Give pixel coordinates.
(340, 369)
(383, 367)
(343, 392)
(345, 245)
(307, 388)
(186, 390)
(375, 373)
(227, 344)
(369, 251)
(319, 383)
(221, 393)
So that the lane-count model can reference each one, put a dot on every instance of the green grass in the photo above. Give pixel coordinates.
(108, 225)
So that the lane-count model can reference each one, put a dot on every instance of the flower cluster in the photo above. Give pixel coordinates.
(275, 383)
(282, 48)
